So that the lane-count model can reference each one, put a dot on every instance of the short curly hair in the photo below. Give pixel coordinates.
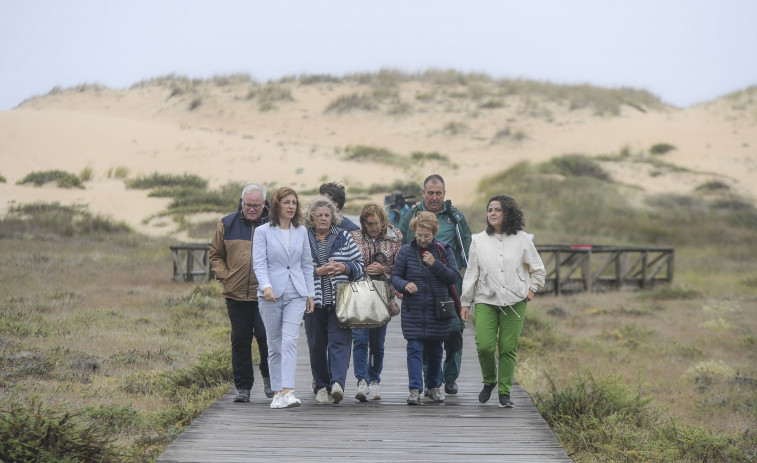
(513, 220)
(425, 219)
(315, 203)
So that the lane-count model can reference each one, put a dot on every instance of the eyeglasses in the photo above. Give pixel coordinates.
(252, 206)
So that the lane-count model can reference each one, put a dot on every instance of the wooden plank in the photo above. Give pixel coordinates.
(461, 429)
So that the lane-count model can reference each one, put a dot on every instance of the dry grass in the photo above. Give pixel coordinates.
(97, 323)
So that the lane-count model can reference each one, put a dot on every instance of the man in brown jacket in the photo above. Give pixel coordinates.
(231, 259)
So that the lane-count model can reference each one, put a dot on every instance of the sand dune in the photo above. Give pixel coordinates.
(227, 137)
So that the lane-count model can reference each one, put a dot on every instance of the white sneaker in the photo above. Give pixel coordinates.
(322, 396)
(276, 402)
(288, 400)
(436, 394)
(373, 391)
(337, 393)
(362, 391)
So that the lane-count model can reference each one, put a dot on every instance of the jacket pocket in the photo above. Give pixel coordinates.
(484, 286)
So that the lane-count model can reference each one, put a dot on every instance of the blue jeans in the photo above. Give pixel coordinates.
(368, 353)
(434, 352)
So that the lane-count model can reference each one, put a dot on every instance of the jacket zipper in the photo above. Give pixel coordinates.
(249, 273)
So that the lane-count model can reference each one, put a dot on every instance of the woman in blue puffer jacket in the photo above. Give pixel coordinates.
(418, 262)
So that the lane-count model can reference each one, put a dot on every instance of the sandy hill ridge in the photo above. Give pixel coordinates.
(296, 131)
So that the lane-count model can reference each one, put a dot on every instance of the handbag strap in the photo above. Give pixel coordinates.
(370, 280)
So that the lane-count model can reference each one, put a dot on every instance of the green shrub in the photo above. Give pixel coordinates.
(574, 165)
(167, 180)
(661, 148)
(352, 102)
(713, 185)
(272, 92)
(420, 157)
(195, 103)
(607, 419)
(42, 219)
(86, 174)
(61, 178)
(363, 153)
(2, 179)
(35, 433)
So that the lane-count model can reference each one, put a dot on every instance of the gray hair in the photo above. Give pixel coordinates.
(321, 201)
(253, 187)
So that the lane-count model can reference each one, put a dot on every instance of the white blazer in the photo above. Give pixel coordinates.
(274, 263)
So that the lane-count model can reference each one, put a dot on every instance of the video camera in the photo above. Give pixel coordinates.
(396, 200)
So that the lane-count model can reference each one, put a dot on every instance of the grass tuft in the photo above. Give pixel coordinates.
(166, 180)
(61, 178)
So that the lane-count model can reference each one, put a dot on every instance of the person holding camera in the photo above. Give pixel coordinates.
(379, 242)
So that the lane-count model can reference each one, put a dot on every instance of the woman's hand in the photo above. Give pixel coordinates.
(331, 269)
(375, 268)
(428, 258)
(464, 313)
(268, 295)
(310, 305)
(411, 288)
(530, 295)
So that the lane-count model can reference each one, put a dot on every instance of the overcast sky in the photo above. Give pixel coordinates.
(684, 51)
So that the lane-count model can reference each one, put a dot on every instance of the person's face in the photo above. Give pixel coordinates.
(423, 236)
(495, 215)
(433, 196)
(372, 226)
(322, 219)
(252, 205)
(288, 206)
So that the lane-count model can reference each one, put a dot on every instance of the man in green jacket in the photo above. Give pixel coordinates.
(454, 230)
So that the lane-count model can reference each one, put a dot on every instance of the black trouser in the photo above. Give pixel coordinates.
(246, 323)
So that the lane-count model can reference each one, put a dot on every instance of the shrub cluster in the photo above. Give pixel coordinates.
(155, 180)
(54, 219)
(61, 178)
(607, 419)
(35, 433)
(574, 165)
(661, 148)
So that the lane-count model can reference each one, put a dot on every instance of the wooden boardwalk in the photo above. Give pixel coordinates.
(459, 430)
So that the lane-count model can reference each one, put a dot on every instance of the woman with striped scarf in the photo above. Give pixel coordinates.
(335, 258)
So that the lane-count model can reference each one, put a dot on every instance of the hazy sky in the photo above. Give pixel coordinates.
(684, 51)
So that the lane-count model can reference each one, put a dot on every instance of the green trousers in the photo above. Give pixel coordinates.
(497, 332)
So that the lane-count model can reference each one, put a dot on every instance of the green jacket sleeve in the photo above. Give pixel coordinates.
(404, 225)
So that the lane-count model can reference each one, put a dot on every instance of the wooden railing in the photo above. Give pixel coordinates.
(569, 268)
(600, 268)
(190, 262)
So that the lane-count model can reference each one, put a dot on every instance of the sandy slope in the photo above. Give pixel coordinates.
(227, 138)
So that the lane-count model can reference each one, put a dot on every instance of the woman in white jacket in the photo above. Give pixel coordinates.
(504, 271)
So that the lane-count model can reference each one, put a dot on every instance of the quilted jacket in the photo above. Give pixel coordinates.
(419, 310)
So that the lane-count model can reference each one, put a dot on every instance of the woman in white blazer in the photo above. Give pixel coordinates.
(504, 271)
(284, 269)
